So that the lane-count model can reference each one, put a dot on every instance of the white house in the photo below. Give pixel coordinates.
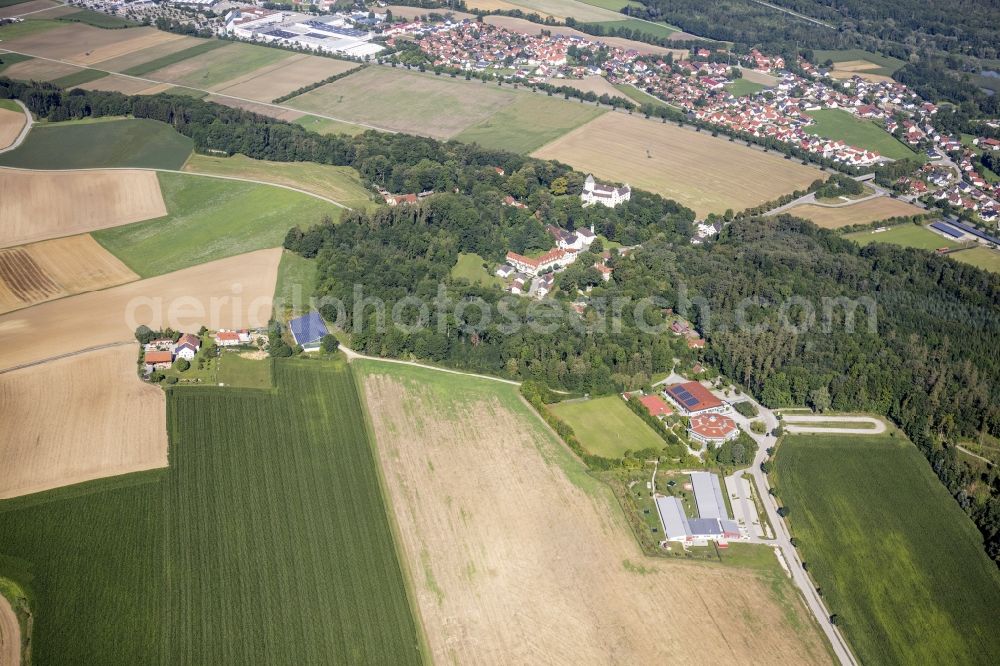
(187, 347)
(606, 195)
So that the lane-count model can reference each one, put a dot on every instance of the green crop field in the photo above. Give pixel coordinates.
(983, 257)
(11, 3)
(607, 427)
(907, 235)
(529, 123)
(265, 542)
(171, 58)
(234, 370)
(96, 19)
(840, 125)
(295, 286)
(886, 64)
(127, 142)
(209, 219)
(898, 561)
(8, 59)
(219, 65)
(470, 267)
(78, 78)
(639, 96)
(743, 87)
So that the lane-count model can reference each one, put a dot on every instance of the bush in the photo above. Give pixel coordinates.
(758, 427)
(182, 364)
(329, 344)
(746, 408)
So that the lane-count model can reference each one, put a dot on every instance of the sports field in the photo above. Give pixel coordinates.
(864, 212)
(342, 184)
(840, 125)
(129, 142)
(50, 204)
(78, 418)
(265, 541)
(983, 257)
(909, 586)
(229, 293)
(907, 235)
(209, 219)
(217, 66)
(51, 269)
(500, 526)
(704, 173)
(607, 427)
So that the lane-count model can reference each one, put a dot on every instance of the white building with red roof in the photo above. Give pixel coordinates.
(714, 428)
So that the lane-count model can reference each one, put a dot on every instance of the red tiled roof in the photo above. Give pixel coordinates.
(712, 426)
(705, 399)
(159, 357)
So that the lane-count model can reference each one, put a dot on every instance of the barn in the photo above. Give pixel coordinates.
(308, 330)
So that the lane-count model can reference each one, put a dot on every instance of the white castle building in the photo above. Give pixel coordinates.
(606, 195)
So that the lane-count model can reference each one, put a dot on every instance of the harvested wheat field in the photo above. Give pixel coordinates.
(38, 205)
(142, 56)
(10, 635)
(11, 124)
(79, 418)
(595, 84)
(872, 210)
(229, 293)
(267, 83)
(874, 78)
(51, 269)
(125, 85)
(705, 173)
(517, 556)
(86, 45)
(37, 69)
(29, 7)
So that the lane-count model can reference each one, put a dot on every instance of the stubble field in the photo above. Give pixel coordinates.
(86, 45)
(79, 418)
(518, 556)
(11, 124)
(50, 204)
(38, 272)
(282, 78)
(212, 70)
(865, 212)
(708, 174)
(230, 293)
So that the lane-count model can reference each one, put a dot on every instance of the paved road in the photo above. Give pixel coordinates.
(791, 421)
(24, 130)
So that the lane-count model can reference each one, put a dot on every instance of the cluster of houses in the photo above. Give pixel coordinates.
(708, 422)
(161, 354)
(344, 33)
(535, 276)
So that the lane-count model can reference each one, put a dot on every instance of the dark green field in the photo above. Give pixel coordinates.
(96, 19)
(129, 142)
(898, 561)
(78, 77)
(171, 58)
(265, 542)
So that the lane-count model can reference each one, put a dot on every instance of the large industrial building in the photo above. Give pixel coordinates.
(693, 398)
(342, 34)
(713, 522)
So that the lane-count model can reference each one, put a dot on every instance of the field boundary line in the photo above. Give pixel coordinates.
(57, 357)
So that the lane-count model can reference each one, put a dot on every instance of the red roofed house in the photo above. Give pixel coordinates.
(556, 258)
(714, 428)
(227, 338)
(693, 398)
(187, 346)
(656, 406)
(158, 360)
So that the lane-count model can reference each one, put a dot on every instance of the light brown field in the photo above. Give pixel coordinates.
(142, 56)
(11, 124)
(408, 13)
(762, 78)
(86, 45)
(29, 8)
(702, 172)
(855, 65)
(874, 78)
(229, 293)
(864, 212)
(10, 635)
(126, 85)
(38, 205)
(39, 70)
(51, 269)
(490, 5)
(79, 418)
(526, 27)
(267, 83)
(518, 557)
(595, 84)
(256, 107)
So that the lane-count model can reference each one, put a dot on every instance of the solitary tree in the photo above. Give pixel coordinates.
(329, 344)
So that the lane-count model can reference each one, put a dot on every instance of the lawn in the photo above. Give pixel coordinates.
(209, 219)
(884, 65)
(907, 235)
(607, 427)
(898, 561)
(115, 143)
(983, 257)
(340, 183)
(840, 125)
(470, 267)
(236, 371)
(171, 58)
(266, 540)
(529, 123)
(296, 285)
(78, 78)
(743, 87)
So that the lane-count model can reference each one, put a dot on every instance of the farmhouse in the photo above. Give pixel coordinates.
(187, 346)
(693, 399)
(712, 428)
(308, 330)
(226, 338)
(158, 360)
(606, 195)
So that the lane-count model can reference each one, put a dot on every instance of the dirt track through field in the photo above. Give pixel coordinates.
(79, 418)
(229, 293)
(37, 205)
(11, 124)
(10, 635)
(515, 562)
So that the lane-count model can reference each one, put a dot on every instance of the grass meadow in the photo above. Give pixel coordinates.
(470, 267)
(265, 541)
(209, 219)
(607, 427)
(840, 125)
(96, 19)
(295, 286)
(983, 257)
(743, 87)
(130, 142)
(907, 235)
(529, 123)
(897, 560)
